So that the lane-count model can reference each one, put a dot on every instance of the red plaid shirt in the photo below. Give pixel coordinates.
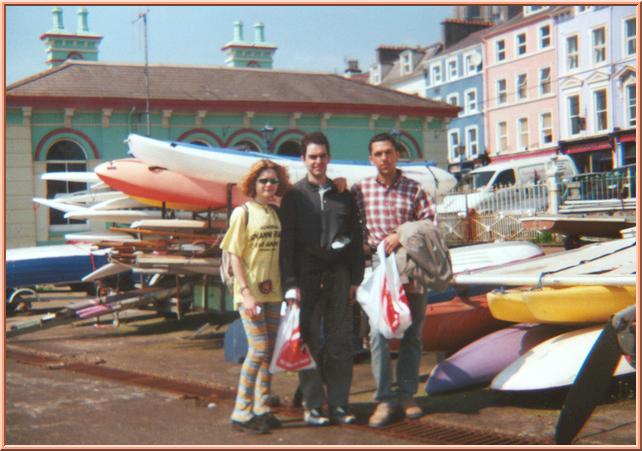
(382, 209)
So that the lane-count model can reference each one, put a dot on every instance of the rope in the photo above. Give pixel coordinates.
(581, 262)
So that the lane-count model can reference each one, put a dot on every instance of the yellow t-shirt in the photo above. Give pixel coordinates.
(258, 246)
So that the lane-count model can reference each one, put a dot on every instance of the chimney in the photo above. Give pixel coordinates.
(238, 31)
(57, 19)
(82, 26)
(353, 66)
(259, 33)
(454, 30)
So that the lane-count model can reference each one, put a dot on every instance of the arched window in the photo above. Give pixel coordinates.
(404, 154)
(246, 145)
(199, 142)
(292, 148)
(64, 156)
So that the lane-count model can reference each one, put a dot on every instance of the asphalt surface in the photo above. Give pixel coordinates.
(48, 401)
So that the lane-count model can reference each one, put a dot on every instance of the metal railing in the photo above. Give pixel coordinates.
(484, 217)
(616, 184)
(530, 199)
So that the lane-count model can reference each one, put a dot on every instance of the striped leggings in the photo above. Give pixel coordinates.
(254, 383)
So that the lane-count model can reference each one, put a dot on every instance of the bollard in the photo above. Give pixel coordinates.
(553, 175)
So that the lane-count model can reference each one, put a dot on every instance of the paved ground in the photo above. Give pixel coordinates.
(48, 404)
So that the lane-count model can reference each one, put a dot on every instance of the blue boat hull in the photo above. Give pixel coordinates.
(49, 264)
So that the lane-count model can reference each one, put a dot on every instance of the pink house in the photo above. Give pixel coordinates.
(520, 92)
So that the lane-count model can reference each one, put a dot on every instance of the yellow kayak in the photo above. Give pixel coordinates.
(509, 306)
(565, 305)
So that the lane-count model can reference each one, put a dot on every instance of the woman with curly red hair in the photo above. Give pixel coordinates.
(253, 242)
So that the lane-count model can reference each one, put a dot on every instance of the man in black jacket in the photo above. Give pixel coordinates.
(321, 267)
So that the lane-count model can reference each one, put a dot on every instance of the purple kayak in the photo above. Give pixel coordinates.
(480, 361)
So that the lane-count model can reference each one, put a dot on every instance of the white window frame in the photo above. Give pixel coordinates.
(499, 51)
(470, 143)
(570, 116)
(449, 75)
(575, 56)
(435, 70)
(406, 63)
(522, 132)
(542, 38)
(630, 104)
(453, 95)
(375, 74)
(519, 88)
(543, 129)
(518, 49)
(629, 39)
(467, 108)
(605, 111)
(453, 147)
(542, 82)
(532, 9)
(602, 46)
(581, 9)
(499, 138)
(499, 93)
(469, 67)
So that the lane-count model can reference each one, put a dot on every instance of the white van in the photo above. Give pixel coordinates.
(483, 181)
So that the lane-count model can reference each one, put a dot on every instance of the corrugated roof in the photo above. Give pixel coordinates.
(193, 84)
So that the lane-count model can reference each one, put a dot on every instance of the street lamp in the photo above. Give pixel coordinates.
(396, 134)
(268, 133)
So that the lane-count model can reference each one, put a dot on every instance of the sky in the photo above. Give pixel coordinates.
(309, 38)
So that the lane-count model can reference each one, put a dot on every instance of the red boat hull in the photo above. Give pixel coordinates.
(136, 178)
(450, 325)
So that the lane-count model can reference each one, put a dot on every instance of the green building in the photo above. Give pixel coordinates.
(78, 113)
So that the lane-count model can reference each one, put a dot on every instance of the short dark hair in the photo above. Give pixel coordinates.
(314, 138)
(382, 137)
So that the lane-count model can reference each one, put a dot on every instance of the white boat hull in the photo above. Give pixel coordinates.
(229, 165)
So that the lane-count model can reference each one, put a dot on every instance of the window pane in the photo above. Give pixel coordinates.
(545, 80)
(571, 52)
(574, 113)
(599, 45)
(600, 110)
(631, 102)
(521, 86)
(630, 36)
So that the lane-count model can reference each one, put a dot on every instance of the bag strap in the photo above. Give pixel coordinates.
(246, 215)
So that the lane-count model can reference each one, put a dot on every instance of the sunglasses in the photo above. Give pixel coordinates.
(266, 181)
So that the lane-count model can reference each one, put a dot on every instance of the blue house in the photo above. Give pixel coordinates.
(455, 76)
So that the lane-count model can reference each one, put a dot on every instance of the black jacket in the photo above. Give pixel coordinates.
(308, 230)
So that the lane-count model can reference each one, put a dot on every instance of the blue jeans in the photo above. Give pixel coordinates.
(408, 360)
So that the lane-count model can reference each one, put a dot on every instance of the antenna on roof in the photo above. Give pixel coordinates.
(143, 16)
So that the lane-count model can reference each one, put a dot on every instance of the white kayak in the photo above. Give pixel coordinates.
(553, 363)
(80, 177)
(169, 224)
(229, 165)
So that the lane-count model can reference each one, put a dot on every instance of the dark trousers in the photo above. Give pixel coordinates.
(325, 308)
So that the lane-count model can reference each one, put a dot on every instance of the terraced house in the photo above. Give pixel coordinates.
(77, 114)
(597, 85)
(520, 90)
(455, 75)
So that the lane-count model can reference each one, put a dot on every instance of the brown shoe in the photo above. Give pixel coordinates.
(411, 409)
(383, 415)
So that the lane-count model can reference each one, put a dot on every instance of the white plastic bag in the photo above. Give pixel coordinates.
(290, 354)
(384, 299)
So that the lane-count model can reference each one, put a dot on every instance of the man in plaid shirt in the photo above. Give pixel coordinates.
(385, 202)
